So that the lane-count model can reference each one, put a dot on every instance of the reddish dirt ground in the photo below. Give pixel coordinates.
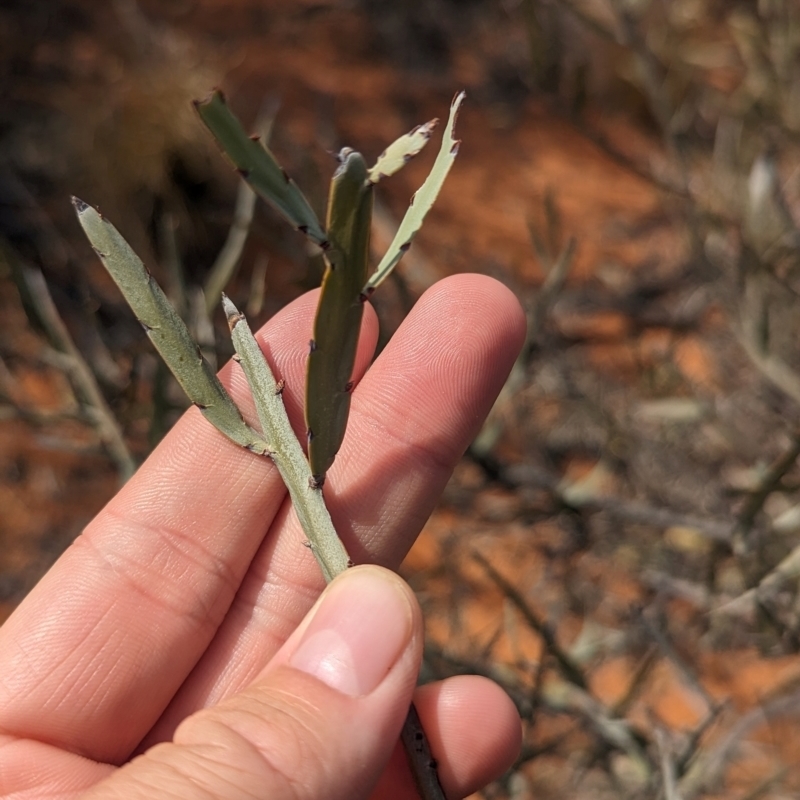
(338, 84)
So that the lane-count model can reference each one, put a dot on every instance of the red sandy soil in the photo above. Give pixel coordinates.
(337, 86)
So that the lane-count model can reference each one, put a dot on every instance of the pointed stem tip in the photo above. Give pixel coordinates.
(79, 205)
(232, 314)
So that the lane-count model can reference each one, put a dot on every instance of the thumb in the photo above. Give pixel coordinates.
(320, 721)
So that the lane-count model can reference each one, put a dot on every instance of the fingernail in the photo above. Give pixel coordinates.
(357, 633)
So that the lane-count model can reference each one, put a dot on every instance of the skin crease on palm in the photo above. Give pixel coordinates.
(178, 594)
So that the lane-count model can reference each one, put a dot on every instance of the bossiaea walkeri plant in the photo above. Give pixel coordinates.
(346, 285)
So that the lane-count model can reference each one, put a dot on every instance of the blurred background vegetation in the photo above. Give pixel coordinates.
(620, 547)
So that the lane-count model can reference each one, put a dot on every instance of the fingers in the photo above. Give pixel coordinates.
(142, 592)
(117, 624)
(413, 415)
(417, 410)
(321, 722)
(474, 732)
(473, 728)
(324, 717)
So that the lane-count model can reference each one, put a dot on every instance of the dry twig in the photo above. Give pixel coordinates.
(76, 369)
(768, 484)
(567, 664)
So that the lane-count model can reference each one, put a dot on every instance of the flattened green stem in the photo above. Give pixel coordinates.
(421, 202)
(166, 329)
(284, 448)
(313, 514)
(338, 320)
(401, 151)
(258, 167)
(228, 258)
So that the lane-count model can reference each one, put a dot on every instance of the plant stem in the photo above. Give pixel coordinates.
(286, 453)
(284, 449)
(166, 330)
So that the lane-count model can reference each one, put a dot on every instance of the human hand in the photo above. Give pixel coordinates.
(175, 626)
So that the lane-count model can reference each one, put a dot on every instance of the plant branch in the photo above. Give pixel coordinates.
(166, 330)
(768, 484)
(72, 363)
(568, 666)
(768, 587)
(229, 257)
(308, 502)
(284, 449)
(171, 338)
